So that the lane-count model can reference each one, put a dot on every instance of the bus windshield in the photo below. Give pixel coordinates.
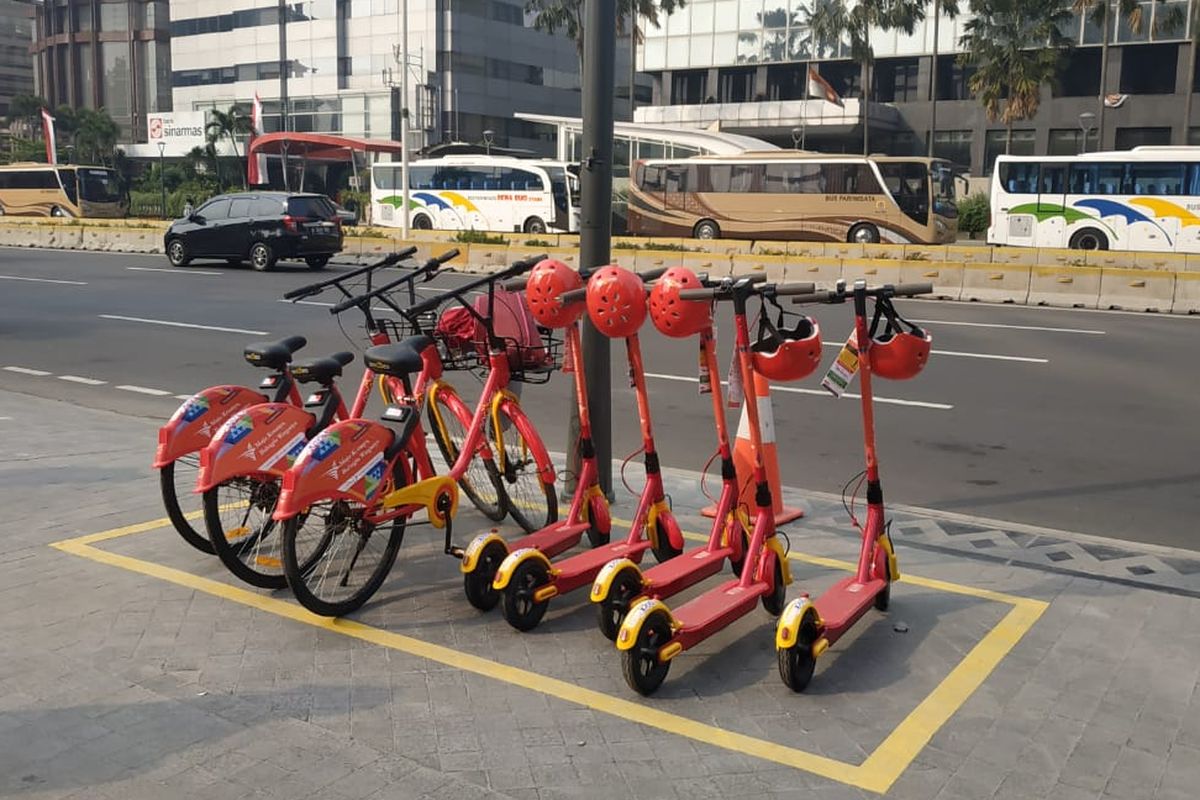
(98, 185)
(67, 177)
(942, 175)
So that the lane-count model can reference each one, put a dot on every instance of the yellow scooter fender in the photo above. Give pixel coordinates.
(513, 560)
(787, 630)
(786, 569)
(475, 549)
(885, 542)
(632, 625)
(603, 583)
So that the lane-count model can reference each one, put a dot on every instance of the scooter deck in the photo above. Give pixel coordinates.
(714, 610)
(686, 569)
(551, 540)
(582, 568)
(845, 602)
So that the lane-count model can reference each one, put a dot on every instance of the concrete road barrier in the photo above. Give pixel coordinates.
(872, 270)
(996, 283)
(946, 276)
(824, 272)
(1187, 293)
(1068, 287)
(1137, 289)
(774, 267)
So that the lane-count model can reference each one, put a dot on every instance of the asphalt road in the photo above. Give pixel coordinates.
(1077, 420)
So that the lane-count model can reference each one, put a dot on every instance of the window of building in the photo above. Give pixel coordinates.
(845, 77)
(1133, 137)
(1081, 74)
(896, 80)
(1127, 32)
(785, 82)
(1069, 141)
(735, 85)
(1149, 69)
(114, 16)
(1022, 144)
(117, 89)
(953, 79)
(687, 88)
(87, 76)
(83, 17)
(954, 146)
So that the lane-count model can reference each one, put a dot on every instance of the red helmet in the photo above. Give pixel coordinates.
(616, 301)
(672, 316)
(547, 283)
(786, 354)
(900, 355)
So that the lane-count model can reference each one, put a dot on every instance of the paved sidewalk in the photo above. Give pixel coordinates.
(136, 667)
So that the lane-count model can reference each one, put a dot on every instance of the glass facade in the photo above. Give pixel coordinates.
(16, 68)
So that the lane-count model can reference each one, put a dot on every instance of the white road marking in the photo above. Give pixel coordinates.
(181, 271)
(818, 392)
(41, 280)
(144, 390)
(84, 381)
(183, 397)
(1010, 327)
(3, 419)
(991, 356)
(27, 371)
(183, 325)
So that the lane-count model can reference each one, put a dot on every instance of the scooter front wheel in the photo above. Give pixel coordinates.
(521, 610)
(611, 611)
(644, 670)
(797, 663)
(477, 584)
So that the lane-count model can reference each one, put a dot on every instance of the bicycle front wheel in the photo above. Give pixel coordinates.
(335, 559)
(177, 480)
(532, 502)
(449, 421)
(237, 514)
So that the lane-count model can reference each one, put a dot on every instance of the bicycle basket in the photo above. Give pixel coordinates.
(400, 329)
(533, 352)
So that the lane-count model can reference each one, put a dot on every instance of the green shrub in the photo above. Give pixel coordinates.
(974, 212)
(478, 237)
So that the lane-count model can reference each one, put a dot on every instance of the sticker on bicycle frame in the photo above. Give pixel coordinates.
(705, 376)
(735, 391)
(843, 369)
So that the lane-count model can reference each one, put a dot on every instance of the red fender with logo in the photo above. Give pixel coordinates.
(264, 439)
(193, 424)
(346, 461)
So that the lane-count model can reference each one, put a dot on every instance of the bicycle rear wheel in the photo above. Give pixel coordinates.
(449, 422)
(532, 502)
(237, 514)
(335, 559)
(176, 481)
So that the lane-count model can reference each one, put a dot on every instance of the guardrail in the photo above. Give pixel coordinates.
(1068, 278)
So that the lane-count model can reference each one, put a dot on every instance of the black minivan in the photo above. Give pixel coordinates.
(261, 227)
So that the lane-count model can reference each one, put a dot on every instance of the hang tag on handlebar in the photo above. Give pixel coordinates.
(735, 392)
(568, 364)
(705, 377)
(843, 369)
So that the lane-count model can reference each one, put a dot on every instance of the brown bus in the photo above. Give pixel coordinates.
(782, 194)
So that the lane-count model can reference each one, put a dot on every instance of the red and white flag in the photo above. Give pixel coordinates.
(48, 135)
(1115, 100)
(256, 163)
(820, 88)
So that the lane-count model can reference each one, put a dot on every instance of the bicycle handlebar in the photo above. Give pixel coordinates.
(314, 288)
(887, 290)
(427, 269)
(724, 289)
(518, 268)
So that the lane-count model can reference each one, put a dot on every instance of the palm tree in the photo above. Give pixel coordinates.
(1017, 46)
(95, 135)
(230, 124)
(850, 21)
(567, 15)
(23, 112)
(947, 8)
(1098, 13)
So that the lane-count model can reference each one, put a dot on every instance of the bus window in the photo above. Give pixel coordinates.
(1157, 179)
(1053, 179)
(1019, 177)
(67, 177)
(677, 179)
(386, 178)
(420, 177)
(1082, 179)
(1110, 179)
(652, 178)
(741, 177)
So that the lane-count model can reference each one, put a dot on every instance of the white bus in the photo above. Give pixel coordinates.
(1147, 198)
(483, 193)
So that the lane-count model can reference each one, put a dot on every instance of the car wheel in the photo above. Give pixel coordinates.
(316, 262)
(177, 253)
(262, 258)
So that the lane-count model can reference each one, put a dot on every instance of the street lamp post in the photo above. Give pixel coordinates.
(488, 138)
(162, 178)
(1087, 121)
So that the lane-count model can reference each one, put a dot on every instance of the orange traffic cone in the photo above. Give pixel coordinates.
(743, 458)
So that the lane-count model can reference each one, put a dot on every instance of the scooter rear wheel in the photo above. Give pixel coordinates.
(643, 670)
(611, 611)
(663, 549)
(775, 601)
(520, 609)
(477, 584)
(796, 663)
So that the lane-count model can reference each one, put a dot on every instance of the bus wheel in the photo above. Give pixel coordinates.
(706, 229)
(864, 233)
(422, 223)
(535, 225)
(57, 212)
(1089, 239)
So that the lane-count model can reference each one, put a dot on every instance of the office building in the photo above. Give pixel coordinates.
(16, 66)
(105, 54)
(742, 65)
(472, 64)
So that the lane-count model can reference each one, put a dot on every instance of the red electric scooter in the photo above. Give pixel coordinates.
(616, 303)
(807, 628)
(589, 514)
(651, 634)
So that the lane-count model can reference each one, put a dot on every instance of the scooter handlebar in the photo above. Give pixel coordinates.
(818, 297)
(911, 289)
(314, 288)
(789, 289)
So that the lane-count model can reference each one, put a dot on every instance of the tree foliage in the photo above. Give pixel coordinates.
(553, 16)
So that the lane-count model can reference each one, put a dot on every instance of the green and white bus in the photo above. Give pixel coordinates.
(479, 192)
(1146, 199)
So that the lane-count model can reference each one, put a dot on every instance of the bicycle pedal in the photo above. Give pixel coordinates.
(457, 552)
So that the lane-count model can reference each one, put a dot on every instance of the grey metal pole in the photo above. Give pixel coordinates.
(933, 76)
(595, 226)
(283, 71)
(404, 118)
